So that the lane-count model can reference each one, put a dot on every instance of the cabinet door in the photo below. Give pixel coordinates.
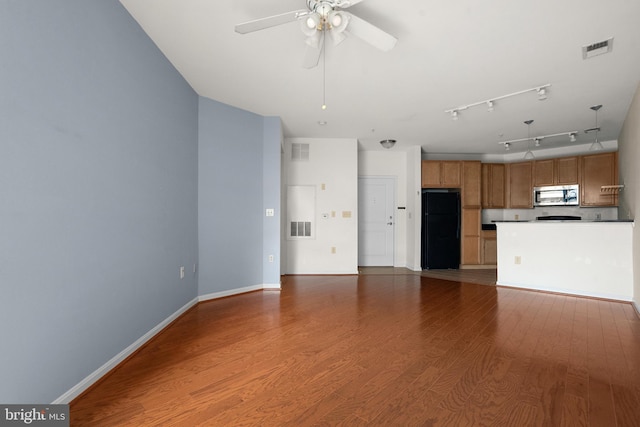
(471, 172)
(520, 188)
(431, 174)
(450, 174)
(489, 248)
(470, 251)
(543, 172)
(598, 170)
(567, 170)
(497, 186)
(493, 185)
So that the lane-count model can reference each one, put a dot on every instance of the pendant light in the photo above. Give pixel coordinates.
(596, 145)
(529, 154)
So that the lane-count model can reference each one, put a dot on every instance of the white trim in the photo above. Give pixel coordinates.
(272, 286)
(567, 291)
(636, 304)
(230, 292)
(83, 385)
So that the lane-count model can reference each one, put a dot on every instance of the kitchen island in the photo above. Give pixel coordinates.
(589, 258)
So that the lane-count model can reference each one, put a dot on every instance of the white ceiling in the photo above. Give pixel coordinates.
(448, 54)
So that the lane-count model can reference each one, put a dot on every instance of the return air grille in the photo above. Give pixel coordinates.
(597, 48)
(300, 229)
(300, 152)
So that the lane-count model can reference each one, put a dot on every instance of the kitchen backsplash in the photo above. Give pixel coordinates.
(489, 215)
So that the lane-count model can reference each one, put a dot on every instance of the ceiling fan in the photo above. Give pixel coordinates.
(324, 16)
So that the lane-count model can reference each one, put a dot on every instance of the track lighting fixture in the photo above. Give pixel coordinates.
(507, 146)
(454, 115)
(540, 90)
(572, 137)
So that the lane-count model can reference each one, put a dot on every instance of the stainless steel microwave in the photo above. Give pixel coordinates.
(557, 195)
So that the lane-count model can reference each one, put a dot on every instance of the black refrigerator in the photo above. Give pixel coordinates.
(440, 230)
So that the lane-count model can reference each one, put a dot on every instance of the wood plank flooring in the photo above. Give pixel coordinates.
(381, 349)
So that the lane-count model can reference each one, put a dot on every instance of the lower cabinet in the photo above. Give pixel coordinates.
(489, 247)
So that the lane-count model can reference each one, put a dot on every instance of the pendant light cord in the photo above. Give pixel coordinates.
(324, 70)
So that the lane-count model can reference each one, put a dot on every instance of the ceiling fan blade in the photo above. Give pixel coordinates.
(270, 21)
(370, 33)
(347, 3)
(312, 54)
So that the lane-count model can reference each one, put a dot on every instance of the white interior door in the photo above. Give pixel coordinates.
(376, 222)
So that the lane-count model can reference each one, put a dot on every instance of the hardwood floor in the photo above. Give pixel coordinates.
(381, 349)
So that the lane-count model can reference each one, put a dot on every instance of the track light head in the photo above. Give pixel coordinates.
(542, 94)
(572, 137)
(507, 146)
(490, 106)
(454, 115)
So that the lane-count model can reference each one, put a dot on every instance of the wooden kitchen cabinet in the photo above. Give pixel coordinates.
(441, 174)
(561, 171)
(489, 247)
(598, 170)
(493, 185)
(567, 170)
(471, 184)
(520, 189)
(470, 242)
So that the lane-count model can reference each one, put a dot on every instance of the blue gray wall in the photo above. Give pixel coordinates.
(98, 191)
(236, 150)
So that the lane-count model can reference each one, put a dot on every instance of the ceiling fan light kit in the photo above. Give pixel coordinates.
(322, 16)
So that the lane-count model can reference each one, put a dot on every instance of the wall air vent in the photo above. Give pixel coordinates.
(598, 48)
(300, 152)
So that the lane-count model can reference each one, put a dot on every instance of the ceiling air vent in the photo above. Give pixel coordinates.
(598, 48)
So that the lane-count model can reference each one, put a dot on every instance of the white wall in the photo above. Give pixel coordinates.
(583, 258)
(414, 208)
(390, 164)
(629, 159)
(333, 170)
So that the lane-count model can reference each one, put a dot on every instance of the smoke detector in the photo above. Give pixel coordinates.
(598, 48)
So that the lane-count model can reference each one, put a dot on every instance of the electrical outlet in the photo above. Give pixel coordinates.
(518, 260)
(270, 258)
(333, 249)
(598, 216)
(182, 272)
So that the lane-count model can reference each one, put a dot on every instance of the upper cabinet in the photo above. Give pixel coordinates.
(493, 185)
(562, 171)
(598, 170)
(520, 185)
(471, 184)
(441, 174)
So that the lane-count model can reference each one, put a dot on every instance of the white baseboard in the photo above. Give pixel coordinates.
(600, 295)
(230, 292)
(83, 385)
(636, 304)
